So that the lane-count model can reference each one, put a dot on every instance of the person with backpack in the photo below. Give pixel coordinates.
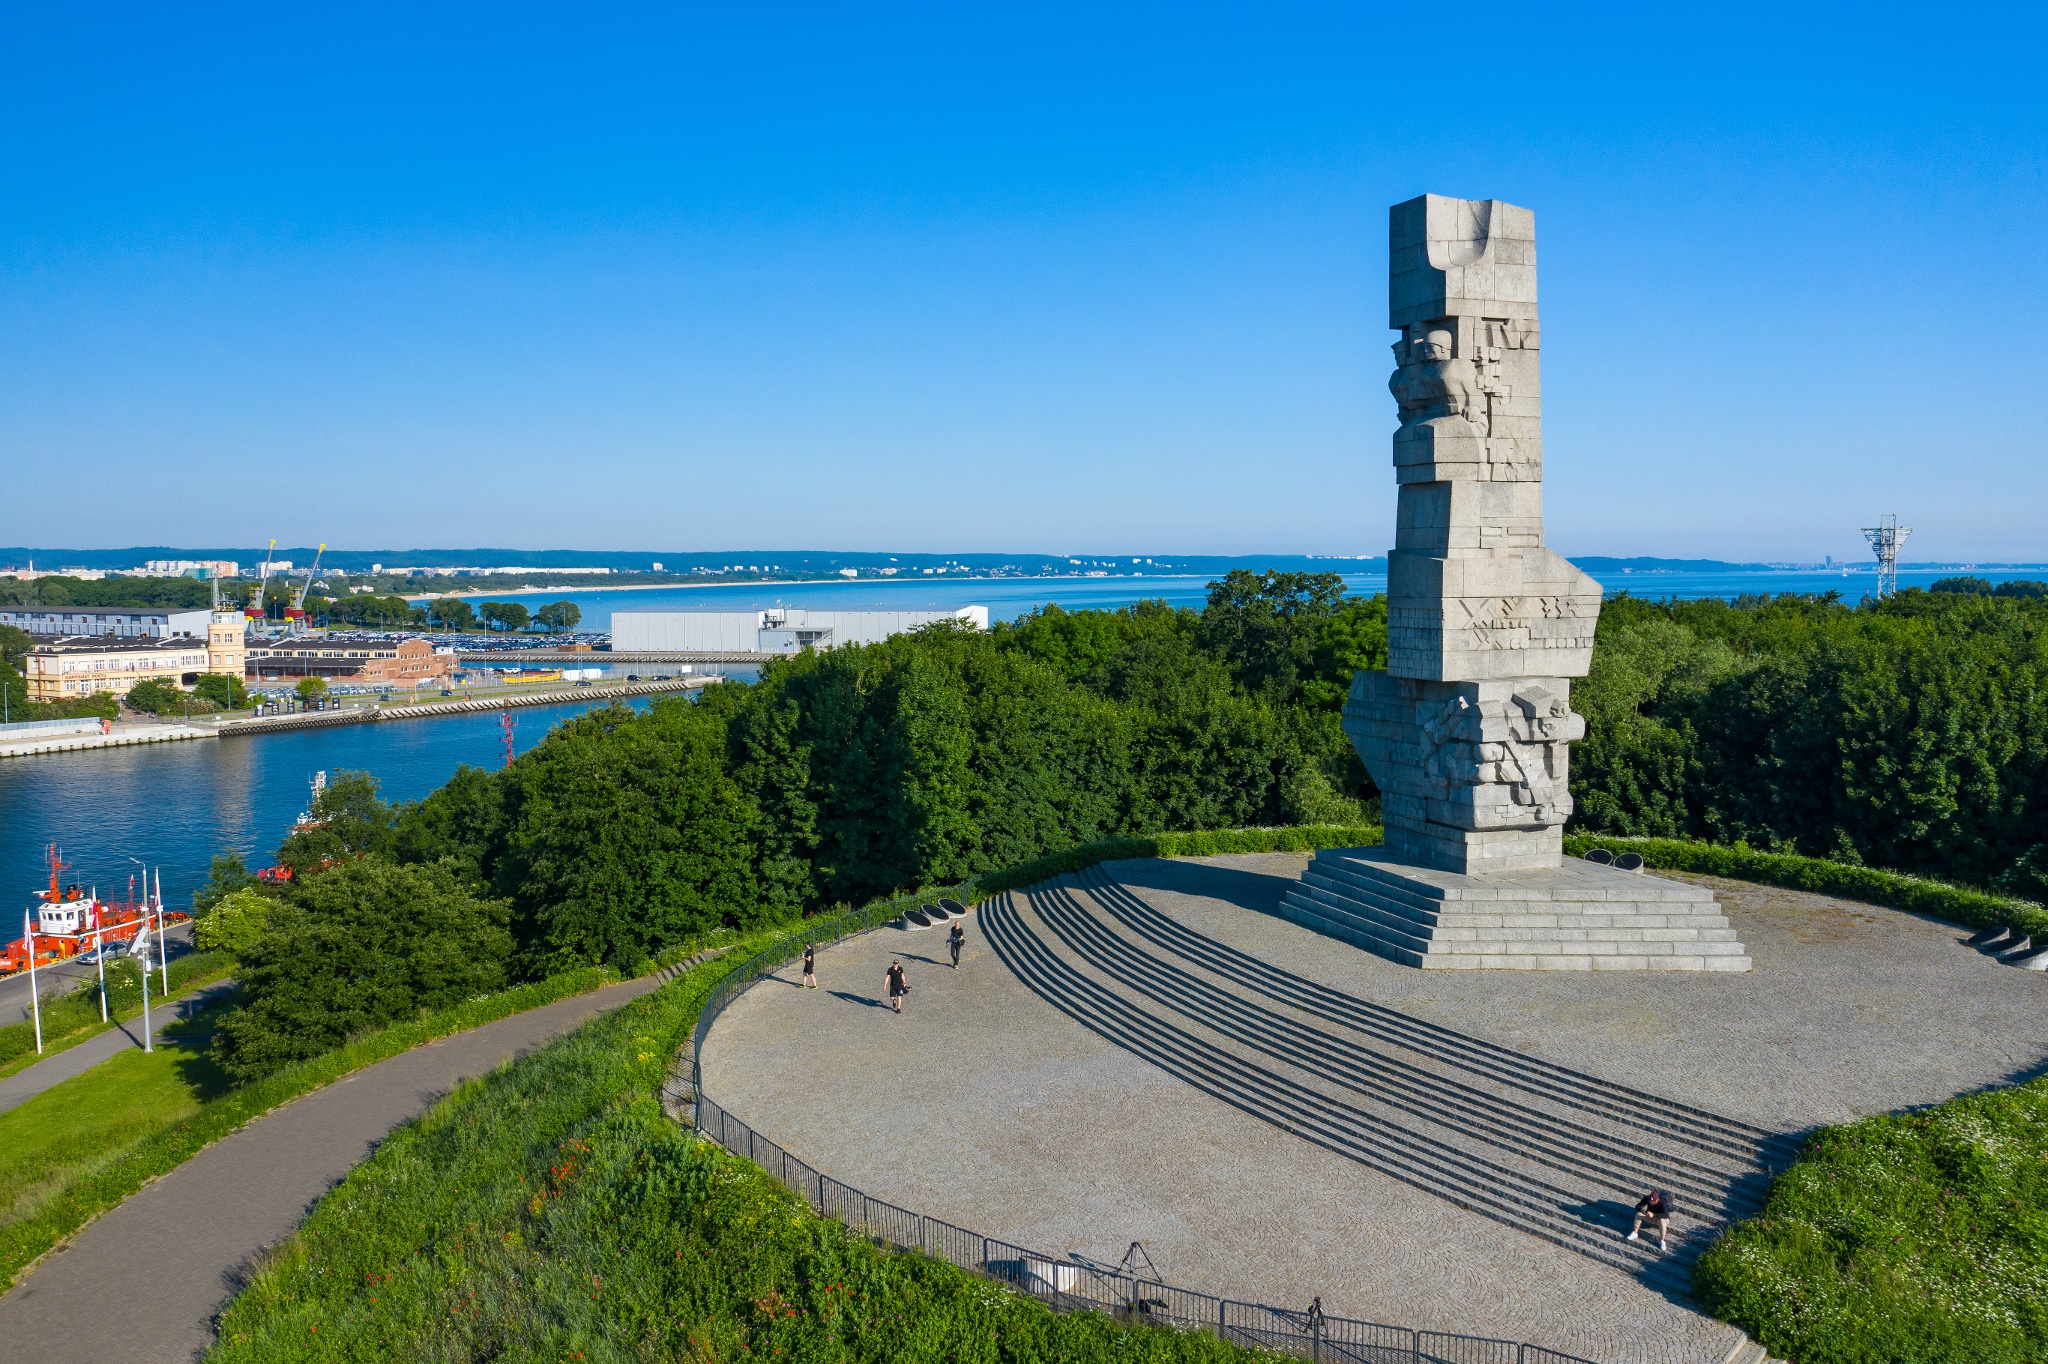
(956, 940)
(898, 986)
(1654, 1207)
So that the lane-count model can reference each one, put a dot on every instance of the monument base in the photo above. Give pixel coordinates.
(1579, 916)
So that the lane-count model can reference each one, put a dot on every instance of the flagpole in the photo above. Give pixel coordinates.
(35, 999)
(163, 949)
(146, 1038)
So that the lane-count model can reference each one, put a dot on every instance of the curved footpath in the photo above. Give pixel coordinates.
(145, 1282)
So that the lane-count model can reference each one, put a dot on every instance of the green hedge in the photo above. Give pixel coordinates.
(1893, 890)
(1200, 843)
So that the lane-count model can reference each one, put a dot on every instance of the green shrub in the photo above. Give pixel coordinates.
(1915, 1238)
(1870, 885)
(157, 697)
(551, 1212)
(355, 947)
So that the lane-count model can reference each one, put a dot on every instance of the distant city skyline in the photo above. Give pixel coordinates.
(1021, 282)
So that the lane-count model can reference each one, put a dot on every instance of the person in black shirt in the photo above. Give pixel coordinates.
(810, 960)
(898, 986)
(956, 940)
(1654, 1207)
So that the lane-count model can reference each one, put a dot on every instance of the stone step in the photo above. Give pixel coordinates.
(1406, 913)
(1366, 1125)
(1510, 926)
(1646, 914)
(1619, 1105)
(1574, 880)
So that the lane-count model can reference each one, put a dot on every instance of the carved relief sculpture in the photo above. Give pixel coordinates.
(1466, 732)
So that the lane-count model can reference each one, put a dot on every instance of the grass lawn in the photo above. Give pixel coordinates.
(92, 1120)
(72, 1018)
(1908, 1238)
(552, 1213)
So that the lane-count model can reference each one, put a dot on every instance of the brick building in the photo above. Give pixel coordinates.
(362, 659)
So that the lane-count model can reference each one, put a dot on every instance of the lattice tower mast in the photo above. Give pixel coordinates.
(1886, 539)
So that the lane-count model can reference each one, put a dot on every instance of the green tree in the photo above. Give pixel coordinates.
(223, 689)
(626, 835)
(559, 616)
(451, 613)
(234, 923)
(311, 688)
(348, 820)
(15, 646)
(1267, 626)
(504, 615)
(228, 875)
(363, 945)
(154, 696)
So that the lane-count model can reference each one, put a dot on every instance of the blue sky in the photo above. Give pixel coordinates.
(966, 277)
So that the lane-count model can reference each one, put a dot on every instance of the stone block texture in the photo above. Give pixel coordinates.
(1575, 916)
(1468, 730)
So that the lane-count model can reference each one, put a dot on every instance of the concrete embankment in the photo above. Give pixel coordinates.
(120, 737)
(462, 706)
(124, 734)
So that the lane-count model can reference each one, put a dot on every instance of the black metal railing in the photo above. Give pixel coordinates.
(1063, 1284)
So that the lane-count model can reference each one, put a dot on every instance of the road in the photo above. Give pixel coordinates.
(52, 981)
(24, 1085)
(177, 1249)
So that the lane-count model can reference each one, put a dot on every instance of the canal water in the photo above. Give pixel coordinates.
(176, 805)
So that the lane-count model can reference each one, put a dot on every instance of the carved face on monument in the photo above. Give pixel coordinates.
(1431, 382)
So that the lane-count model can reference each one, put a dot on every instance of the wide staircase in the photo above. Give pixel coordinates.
(1533, 1145)
(1579, 916)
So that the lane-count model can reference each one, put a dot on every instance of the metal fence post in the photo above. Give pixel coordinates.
(1415, 1349)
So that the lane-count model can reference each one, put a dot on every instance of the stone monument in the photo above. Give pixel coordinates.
(1466, 732)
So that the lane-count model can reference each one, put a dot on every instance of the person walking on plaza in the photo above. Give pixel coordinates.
(1654, 1207)
(898, 986)
(810, 960)
(956, 940)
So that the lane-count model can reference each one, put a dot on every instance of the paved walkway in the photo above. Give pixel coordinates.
(25, 1084)
(144, 1283)
(985, 1106)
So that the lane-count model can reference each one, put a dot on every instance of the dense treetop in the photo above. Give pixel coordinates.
(1910, 733)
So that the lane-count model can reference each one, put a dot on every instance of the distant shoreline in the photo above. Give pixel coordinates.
(823, 582)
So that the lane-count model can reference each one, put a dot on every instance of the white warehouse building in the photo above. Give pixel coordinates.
(778, 630)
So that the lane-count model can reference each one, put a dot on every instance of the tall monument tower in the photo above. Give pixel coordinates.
(1467, 731)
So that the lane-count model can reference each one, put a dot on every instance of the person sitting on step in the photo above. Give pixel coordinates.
(1654, 1207)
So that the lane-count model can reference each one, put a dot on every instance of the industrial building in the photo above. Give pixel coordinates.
(133, 622)
(778, 630)
(371, 659)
